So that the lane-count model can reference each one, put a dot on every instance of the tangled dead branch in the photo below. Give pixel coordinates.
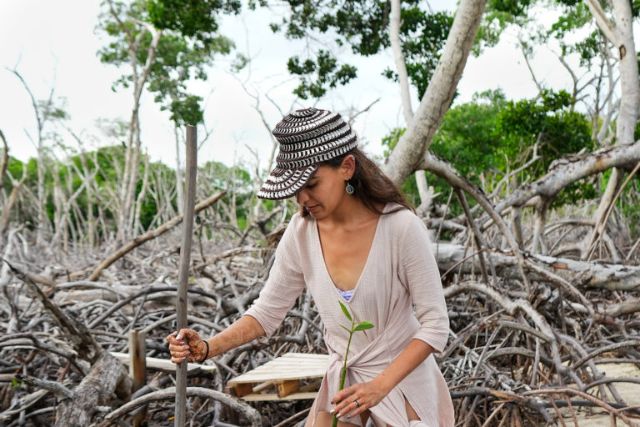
(532, 357)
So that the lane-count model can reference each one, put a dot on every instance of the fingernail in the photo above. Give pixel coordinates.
(332, 411)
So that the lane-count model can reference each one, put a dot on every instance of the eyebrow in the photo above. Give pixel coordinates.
(311, 180)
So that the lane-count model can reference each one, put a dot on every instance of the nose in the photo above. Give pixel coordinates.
(302, 196)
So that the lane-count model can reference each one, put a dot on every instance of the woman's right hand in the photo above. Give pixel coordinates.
(186, 344)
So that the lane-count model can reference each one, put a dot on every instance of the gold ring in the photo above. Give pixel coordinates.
(357, 403)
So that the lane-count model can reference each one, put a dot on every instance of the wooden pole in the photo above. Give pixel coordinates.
(185, 252)
(138, 370)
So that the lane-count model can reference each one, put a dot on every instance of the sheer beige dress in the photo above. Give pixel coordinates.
(399, 291)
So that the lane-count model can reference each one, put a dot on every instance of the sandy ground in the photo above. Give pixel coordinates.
(629, 391)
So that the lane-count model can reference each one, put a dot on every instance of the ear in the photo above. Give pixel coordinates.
(348, 166)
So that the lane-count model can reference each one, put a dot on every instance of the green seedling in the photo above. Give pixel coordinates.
(355, 327)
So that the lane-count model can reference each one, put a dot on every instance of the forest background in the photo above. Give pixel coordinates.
(537, 195)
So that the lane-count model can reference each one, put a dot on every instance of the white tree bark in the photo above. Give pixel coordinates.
(620, 34)
(582, 274)
(413, 145)
(140, 75)
(43, 222)
(567, 171)
(398, 57)
(395, 23)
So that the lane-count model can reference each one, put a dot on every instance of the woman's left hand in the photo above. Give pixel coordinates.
(357, 398)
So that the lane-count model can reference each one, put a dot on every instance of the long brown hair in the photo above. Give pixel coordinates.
(371, 185)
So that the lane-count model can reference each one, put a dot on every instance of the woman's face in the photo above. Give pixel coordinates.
(324, 191)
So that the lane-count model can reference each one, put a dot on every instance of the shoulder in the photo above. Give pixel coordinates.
(297, 223)
(401, 218)
(296, 229)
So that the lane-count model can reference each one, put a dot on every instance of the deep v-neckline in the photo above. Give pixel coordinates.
(364, 267)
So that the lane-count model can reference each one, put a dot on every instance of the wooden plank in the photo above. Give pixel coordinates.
(287, 367)
(264, 385)
(161, 364)
(241, 390)
(285, 388)
(256, 397)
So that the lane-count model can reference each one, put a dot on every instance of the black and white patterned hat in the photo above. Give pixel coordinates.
(307, 137)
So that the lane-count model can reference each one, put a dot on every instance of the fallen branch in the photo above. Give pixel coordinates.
(252, 416)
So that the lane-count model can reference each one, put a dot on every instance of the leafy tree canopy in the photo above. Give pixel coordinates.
(364, 26)
(187, 46)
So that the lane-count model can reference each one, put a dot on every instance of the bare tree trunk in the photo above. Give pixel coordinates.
(412, 147)
(538, 246)
(7, 205)
(137, 226)
(395, 24)
(127, 192)
(620, 34)
(41, 202)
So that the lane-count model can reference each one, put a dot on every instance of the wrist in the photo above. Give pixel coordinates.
(206, 350)
(383, 383)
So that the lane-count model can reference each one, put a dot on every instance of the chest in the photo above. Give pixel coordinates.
(346, 253)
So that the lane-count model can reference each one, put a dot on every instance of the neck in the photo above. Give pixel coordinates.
(350, 211)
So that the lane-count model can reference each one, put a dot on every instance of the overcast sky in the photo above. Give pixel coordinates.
(54, 45)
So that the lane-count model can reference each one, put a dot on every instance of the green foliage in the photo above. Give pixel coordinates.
(191, 18)
(487, 138)
(363, 326)
(422, 37)
(327, 74)
(188, 44)
(345, 311)
(511, 7)
(362, 25)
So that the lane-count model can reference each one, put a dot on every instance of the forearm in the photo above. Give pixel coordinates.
(409, 359)
(242, 331)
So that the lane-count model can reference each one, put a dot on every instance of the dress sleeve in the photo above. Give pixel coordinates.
(419, 273)
(283, 286)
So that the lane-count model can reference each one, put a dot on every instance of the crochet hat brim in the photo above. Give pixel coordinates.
(283, 183)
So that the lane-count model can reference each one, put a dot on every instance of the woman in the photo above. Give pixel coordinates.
(356, 241)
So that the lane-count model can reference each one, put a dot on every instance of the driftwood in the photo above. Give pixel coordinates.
(107, 376)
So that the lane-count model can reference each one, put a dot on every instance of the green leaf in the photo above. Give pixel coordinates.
(345, 310)
(363, 326)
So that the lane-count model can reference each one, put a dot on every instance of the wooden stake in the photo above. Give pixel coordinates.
(138, 369)
(185, 252)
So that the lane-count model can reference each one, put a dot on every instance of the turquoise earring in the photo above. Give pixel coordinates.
(349, 189)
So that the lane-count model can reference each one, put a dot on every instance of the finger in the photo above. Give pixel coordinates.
(350, 410)
(174, 341)
(342, 394)
(171, 336)
(344, 406)
(178, 347)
